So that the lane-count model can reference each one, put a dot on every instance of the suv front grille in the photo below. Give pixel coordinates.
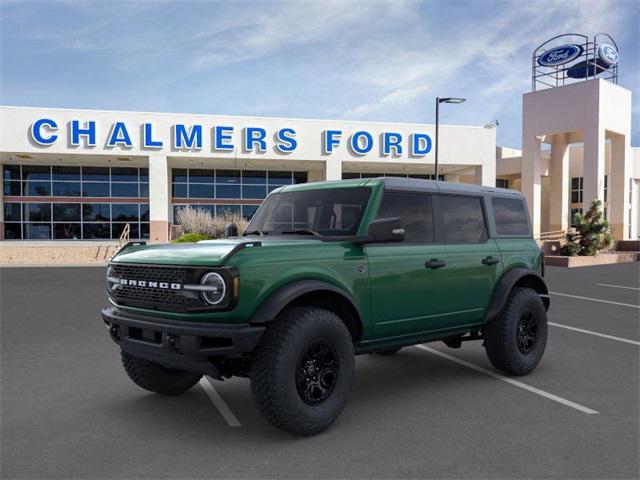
(156, 298)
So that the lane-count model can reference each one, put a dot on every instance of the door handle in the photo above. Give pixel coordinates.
(490, 260)
(435, 263)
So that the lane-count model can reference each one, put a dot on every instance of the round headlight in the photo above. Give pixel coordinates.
(214, 288)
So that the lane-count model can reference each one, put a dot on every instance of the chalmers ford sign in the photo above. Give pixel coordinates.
(45, 132)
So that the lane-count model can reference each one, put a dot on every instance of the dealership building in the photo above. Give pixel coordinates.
(86, 174)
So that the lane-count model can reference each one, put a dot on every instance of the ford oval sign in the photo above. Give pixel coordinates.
(560, 55)
(608, 54)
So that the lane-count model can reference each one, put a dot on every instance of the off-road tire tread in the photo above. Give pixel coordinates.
(156, 378)
(267, 388)
(501, 349)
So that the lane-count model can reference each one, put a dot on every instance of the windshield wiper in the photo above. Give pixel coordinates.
(255, 232)
(302, 231)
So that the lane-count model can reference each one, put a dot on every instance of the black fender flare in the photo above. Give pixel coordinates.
(505, 284)
(278, 300)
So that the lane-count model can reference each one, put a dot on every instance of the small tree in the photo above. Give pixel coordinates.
(591, 235)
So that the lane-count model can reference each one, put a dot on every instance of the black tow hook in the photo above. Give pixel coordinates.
(114, 331)
(173, 343)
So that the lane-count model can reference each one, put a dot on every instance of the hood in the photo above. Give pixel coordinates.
(205, 253)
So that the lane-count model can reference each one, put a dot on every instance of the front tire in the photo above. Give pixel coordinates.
(515, 340)
(156, 378)
(302, 370)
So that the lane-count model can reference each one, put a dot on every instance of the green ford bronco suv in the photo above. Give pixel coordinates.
(326, 271)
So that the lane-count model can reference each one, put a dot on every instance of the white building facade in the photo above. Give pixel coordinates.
(85, 174)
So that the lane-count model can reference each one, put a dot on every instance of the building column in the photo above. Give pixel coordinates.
(531, 181)
(159, 198)
(593, 166)
(333, 169)
(559, 204)
(486, 174)
(618, 187)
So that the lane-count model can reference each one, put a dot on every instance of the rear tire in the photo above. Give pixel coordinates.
(516, 339)
(302, 370)
(156, 378)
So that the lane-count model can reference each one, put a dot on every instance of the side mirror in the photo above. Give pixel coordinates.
(230, 230)
(385, 230)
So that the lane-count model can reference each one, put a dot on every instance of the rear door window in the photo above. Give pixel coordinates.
(511, 216)
(415, 212)
(463, 219)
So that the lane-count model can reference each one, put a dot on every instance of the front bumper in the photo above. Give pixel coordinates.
(182, 345)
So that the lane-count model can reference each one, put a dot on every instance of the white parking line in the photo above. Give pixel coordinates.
(511, 381)
(227, 414)
(595, 300)
(610, 337)
(617, 286)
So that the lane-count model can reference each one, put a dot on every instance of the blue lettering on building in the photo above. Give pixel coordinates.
(89, 132)
(184, 138)
(222, 137)
(255, 136)
(420, 144)
(147, 137)
(390, 141)
(330, 140)
(119, 136)
(361, 142)
(38, 135)
(286, 141)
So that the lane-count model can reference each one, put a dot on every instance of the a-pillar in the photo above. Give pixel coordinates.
(618, 188)
(332, 169)
(559, 168)
(486, 174)
(593, 166)
(531, 181)
(159, 198)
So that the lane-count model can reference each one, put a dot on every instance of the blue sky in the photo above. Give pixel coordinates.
(367, 60)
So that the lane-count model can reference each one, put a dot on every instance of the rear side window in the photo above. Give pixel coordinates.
(511, 216)
(463, 219)
(415, 212)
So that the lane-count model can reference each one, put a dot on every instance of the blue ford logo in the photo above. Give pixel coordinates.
(560, 55)
(608, 54)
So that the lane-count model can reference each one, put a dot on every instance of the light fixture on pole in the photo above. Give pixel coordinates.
(438, 102)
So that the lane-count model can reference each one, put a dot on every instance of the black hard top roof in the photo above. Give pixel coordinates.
(418, 185)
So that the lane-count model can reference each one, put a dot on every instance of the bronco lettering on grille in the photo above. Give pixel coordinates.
(150, 284)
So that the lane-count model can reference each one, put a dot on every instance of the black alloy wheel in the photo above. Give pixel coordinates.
(317, 372)
(526, 332)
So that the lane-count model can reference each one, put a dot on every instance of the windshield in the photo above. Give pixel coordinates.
(322, 212)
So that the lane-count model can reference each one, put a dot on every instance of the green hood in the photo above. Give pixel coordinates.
(205, 253)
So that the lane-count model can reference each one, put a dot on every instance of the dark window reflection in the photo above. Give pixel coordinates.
(71, 231)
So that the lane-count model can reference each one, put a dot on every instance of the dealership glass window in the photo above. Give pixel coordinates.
(71, 220)
(68, 181)
(234, 184)
(576, 189)
(502, 183)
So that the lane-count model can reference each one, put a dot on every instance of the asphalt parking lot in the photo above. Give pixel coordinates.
(69, 411)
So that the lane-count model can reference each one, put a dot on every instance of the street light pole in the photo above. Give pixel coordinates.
(438, 102)
(437, 142)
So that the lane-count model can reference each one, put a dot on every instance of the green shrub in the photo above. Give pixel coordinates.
(192, 238)
(591, 235)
